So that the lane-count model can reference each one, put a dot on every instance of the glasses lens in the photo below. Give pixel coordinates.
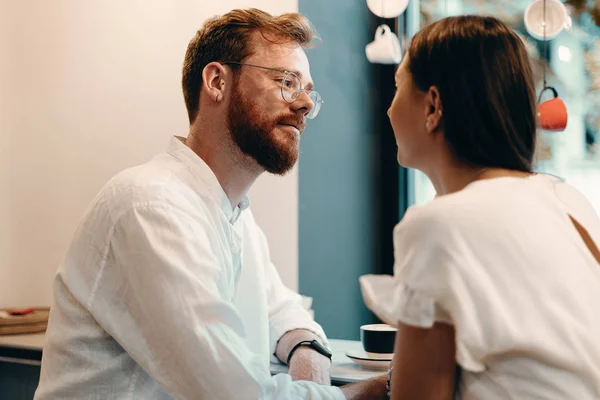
(290, 87)
(315, 97)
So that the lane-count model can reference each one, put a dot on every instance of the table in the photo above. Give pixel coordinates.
(20, 360)
(22, 349)
(26, 341)
(343, 370)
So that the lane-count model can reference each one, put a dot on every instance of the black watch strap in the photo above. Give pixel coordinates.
(313, 344)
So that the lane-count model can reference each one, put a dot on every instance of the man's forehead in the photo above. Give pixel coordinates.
(270, 52)
(272, 45)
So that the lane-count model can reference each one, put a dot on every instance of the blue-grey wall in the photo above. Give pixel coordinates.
(343, 233)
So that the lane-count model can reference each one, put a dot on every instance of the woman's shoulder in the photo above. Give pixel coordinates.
(446, 209)
(429, 222)
(479, 206)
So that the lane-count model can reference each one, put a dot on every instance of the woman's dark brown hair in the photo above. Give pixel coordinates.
(482, 71)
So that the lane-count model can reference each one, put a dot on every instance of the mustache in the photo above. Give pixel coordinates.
(293, 120)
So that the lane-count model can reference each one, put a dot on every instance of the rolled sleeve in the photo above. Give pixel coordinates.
(286, 312)
(285, 309)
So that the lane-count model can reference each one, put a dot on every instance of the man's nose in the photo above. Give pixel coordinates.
(303, 103)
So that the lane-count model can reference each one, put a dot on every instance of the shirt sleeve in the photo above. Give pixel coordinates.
(417, 292)
(286, 312)
(163, 296)
(427, 287)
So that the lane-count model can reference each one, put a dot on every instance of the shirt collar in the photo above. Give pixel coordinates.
(202, 171)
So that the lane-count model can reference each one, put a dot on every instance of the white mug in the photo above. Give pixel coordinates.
(385, 49)
(387, 8)
(556, 19)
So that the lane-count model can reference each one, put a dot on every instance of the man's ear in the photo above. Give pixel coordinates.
(214, 77)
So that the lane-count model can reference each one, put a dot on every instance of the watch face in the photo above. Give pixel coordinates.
(321, 349)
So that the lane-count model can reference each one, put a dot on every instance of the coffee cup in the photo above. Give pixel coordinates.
(387, 8)
(378, 340)
(555, 19)
(385, 49)
(552, 114)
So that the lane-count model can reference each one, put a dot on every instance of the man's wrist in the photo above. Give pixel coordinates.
(309, 365)
(314, 345)
(291, 339)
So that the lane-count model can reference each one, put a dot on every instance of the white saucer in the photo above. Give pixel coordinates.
(361, 358)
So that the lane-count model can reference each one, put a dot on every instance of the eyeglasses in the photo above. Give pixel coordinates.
(291, 88)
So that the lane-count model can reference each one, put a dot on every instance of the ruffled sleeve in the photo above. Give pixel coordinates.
(392, 301)
(417, 290)
(426, 255)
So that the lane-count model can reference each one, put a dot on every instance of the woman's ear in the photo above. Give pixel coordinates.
(433, 110)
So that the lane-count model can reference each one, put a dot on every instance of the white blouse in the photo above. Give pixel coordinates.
(503, 263)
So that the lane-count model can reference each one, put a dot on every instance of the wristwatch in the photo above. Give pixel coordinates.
(314, 344)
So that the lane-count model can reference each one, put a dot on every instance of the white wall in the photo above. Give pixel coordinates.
(88, 88)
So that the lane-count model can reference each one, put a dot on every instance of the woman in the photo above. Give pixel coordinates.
(500, 273)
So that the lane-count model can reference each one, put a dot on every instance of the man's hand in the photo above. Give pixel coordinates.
(309, 365)
(306, 363)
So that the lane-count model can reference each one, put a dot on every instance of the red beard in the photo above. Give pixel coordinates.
(255, 134)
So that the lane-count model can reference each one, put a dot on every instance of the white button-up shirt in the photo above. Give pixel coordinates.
(168, 292)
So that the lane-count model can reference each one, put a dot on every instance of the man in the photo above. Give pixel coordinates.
(167, 290)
